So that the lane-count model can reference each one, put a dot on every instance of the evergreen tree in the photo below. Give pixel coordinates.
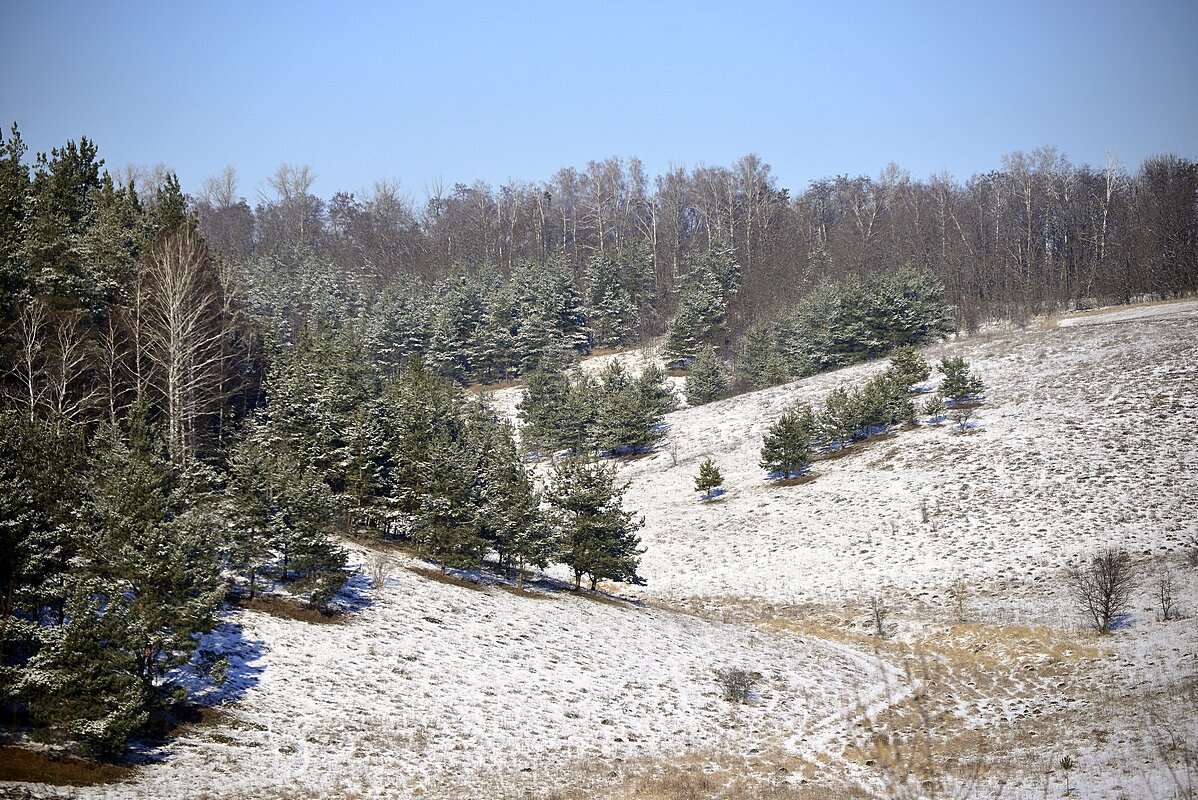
(759, 364)
(839, 420)
(959, 383)
(14, 209)
(707, 379)
(656, 393)
(786, 449)
(510, 518)
(908, 366)
(544, 412)
(626, 418)
(82, 685)
(281, 511)
(709, 478)
(62, 197)
(611, 309)
(934, 408)
(703, 305)
(41, 528)
(598, 537)
(446, 524)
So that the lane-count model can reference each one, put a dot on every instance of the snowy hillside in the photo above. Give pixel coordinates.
(442, 688)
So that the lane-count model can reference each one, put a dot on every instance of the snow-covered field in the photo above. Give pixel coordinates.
(985, 680)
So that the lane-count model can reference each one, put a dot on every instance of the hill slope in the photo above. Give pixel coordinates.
(983, 681)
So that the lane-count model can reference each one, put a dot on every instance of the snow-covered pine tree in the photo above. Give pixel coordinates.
(628, 411)
(543, 411)
(702, 305)
(611, 309)
(446, 525)
(707, 379)
(838, 422)
(510, 518)
(785, 451)
(597, 536)
(656, 393)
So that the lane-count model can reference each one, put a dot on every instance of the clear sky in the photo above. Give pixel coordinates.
(456, 91)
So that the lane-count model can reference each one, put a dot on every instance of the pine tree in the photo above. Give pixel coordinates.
(598, 537)
(709, 478)
(626, 418)
(959, 383)
(839, 420)
(543, 411)
(510, 518)
(759, 364)
(14, 209)
(611, 308)
(786, 449)
(934, 408)
(281, 514)
(656, 393)
(446, 524)
(908, 366)
(707, 379)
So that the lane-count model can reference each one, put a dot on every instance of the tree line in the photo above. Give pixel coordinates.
(1036, 235)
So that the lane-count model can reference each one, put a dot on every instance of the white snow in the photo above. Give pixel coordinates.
(1087, 439)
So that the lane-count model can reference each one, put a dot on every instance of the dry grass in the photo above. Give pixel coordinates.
(288, 608)
(18, 764)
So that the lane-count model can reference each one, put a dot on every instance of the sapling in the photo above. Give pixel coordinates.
(1067, 764)
(709, 478)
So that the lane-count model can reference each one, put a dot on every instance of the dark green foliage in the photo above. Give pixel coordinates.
(143, 583)
(41, 493)
(656, 393)
(707, 380)
(597, 536)
(843, 323)
(83, 685)
(908, 366)
(758, 363)
(959, 383)
(786, 450)
(934, 408)
(702, 305)
(709, 478)
(282, 515)
(611, 306)
(510, 518)
(627, 411)
(614, 413)
(545, 411)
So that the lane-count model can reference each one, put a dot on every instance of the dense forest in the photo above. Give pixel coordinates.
(202, 396)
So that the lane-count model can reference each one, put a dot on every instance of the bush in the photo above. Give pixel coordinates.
(736, 684)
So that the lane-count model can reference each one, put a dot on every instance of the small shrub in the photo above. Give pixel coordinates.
(878, 612)
(934, 408)
(736, 684)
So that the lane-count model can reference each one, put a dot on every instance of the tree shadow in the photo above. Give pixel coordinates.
(355, 595)
(225, 665)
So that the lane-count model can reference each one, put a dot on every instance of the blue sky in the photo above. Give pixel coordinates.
(426, 92)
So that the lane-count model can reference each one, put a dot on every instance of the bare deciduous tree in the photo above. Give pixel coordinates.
(1103, 588)
(183, 335)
